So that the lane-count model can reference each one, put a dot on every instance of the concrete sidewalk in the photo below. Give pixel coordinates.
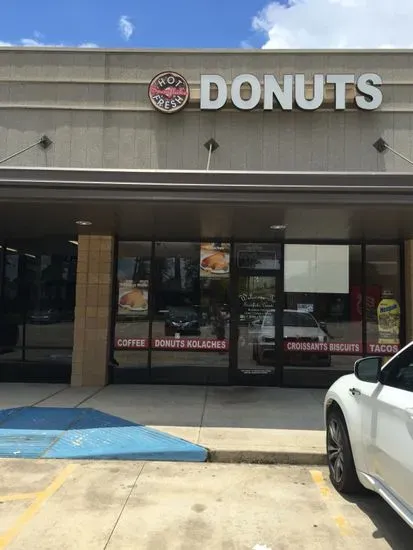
(236, 424)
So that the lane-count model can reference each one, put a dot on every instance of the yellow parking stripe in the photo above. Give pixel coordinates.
(343, 525)
(318, 479)
(32, 510)
(339, 520)
(18, 496)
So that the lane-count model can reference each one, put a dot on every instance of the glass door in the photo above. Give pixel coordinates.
(257, 339)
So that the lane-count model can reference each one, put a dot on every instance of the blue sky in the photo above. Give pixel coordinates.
(277, 24)
(159, 23)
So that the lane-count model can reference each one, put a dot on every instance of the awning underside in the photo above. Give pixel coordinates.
(143, 205)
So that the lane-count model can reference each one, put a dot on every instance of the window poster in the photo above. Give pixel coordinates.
(133, 288)
(133, 298)
(214, 260)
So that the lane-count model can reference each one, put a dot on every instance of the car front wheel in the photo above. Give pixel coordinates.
(343, 473)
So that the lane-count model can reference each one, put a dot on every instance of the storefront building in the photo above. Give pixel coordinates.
(203, 217)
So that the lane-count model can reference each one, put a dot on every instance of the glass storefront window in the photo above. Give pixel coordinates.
(132, 304)
(38, 300)
(322, 326)
(191, 304)
(383, 306)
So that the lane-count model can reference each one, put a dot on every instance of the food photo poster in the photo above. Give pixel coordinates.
(214, 260)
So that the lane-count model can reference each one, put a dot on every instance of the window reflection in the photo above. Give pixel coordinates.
(322, 325)
(132, 303)
(191, 298)
(38, 299)
(383, 299)
(185, 296)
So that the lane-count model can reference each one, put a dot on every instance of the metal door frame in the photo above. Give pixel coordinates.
(236, 377)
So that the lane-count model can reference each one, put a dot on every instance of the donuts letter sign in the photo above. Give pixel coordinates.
(169, 92)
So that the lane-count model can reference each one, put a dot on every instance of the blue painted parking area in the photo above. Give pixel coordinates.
(84, 433)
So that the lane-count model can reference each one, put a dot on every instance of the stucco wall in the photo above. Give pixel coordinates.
(94, 106)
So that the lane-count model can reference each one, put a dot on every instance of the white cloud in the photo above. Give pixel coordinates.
(126, 27)
(31, 42)
(37, 42)
(88, 45)
(327, 24)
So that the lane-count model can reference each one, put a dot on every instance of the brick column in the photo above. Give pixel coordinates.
(93, 310)
(408, 255)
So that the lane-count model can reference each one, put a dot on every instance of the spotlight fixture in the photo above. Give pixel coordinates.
(211, 145)
(380, 145)
(45, 142)
(83, 223)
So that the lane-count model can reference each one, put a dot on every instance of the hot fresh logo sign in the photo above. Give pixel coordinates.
(169, 92)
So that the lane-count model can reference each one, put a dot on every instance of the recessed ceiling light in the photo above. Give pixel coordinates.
(278, 227)
(83, 222)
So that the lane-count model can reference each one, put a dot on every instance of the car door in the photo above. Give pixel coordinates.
(390, 438)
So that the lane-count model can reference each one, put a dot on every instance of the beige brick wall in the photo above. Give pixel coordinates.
(92, 315)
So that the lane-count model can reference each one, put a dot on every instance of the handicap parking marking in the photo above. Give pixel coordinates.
(39, 499)
(325, 491)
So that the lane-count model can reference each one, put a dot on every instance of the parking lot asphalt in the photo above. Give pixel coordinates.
(155, 506)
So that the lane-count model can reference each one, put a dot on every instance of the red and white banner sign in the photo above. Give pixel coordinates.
(340, 348)
(188, 344)
(185, 344)
(132, 343)
(382, 349)
(323, 347)
(299, 346)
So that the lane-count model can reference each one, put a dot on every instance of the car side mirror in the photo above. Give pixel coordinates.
(368, 369)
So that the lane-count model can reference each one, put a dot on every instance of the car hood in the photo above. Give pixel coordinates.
(295, 332)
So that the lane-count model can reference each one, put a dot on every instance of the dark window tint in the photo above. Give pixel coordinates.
(399, 373)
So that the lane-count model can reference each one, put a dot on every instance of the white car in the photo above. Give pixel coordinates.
(369, 424)
(301, 330)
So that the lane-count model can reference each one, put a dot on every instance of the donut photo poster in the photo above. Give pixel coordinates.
(133, 287)
(214, 260)
(133, 298)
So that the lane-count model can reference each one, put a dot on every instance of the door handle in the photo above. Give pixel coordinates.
(354, 391)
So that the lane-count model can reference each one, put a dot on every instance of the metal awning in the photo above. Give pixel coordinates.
(108, 184)
(145, 204)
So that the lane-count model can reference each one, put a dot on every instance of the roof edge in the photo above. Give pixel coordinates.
(211, 51)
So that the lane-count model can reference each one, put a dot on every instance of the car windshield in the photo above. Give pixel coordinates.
(292, 319)
(182, 314)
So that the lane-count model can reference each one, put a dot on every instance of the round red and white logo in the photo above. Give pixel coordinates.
(169, 92)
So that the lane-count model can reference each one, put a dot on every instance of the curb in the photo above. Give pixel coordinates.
(311, 458)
